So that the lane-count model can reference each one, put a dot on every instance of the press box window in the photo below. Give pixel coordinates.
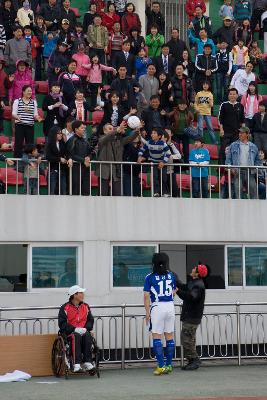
(131, 264)
(54, 267)
(13, 267)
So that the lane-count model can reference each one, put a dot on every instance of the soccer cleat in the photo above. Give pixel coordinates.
(77, 368)
(169, 368)
(160, 371)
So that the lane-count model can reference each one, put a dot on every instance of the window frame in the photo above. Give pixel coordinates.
(128, 244)
(32, 245)
(244, 286)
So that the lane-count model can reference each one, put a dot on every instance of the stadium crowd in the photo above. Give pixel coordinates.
(104, 65)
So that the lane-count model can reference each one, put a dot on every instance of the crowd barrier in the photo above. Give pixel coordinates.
(229, 331)
(223, 181)
(175, 17)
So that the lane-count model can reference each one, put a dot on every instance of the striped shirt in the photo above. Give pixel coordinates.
(25, 111)
(158, 151)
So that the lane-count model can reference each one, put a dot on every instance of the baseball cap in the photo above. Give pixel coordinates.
(244, 129)
(63, 44)
(65, 21)
(75, 289)
(227, 18)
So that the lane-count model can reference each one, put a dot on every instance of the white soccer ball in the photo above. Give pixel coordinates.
(134, 122)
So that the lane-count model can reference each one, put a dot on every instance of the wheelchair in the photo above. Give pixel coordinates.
(62, 360)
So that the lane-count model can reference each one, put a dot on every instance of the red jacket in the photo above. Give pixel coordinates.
(3, 84)
(129, 21)
(191, 5)
(108, 21)
(71, 317)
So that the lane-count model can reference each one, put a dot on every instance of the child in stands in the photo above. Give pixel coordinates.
(82, 60)
(255, 53)
(31, 162)
(203, 106)
(50, 42)
(175, 155)
(240, 56)
(199, 156)
(34, 43)
(226, 10)
(68, 131)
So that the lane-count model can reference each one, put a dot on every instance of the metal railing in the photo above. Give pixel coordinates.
(175, 17)
(104, 178)
(228, 331)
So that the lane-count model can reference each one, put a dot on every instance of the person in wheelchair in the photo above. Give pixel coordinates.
(75, 322)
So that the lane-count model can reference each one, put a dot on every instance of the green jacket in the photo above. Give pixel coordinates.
(154, 44)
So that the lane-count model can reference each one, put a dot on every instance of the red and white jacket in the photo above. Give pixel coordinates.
(71, 317)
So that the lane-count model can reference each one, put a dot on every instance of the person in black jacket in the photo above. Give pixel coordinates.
(154, 16)
(176, 45)
(126, 59)
(164, 62)
(259, 127)
(55, 108)
(7, 18)
(67, 13)
(127, 89)
(206, 66)
(56, 155)
(51, 13)
(57, 62)
(182, 86)
(165, 91)
(89, 16)
(153, 116)
(113, 111)
(79, 109)
(137, 41)
(193, 296)
(131, 173)
(226, 33)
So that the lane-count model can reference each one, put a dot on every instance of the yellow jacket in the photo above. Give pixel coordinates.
(235, 52)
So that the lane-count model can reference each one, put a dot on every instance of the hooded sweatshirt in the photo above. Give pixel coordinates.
(21, 79)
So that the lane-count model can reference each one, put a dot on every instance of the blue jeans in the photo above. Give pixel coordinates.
(54, 182)
(207, 119)
(196, 182)
(31, 186)
(222, 84)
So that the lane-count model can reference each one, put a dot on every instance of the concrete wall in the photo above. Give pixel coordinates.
(98, 222)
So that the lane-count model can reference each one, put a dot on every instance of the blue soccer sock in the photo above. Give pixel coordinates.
(158, 350)
(169, 351)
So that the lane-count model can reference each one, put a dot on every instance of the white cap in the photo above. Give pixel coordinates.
(75, 289)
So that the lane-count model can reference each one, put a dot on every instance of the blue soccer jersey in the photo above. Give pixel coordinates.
(160, 287)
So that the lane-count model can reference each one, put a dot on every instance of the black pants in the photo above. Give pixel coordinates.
(185, 141)
(38, 66)
(22, 133)
(255, 18)
(80, 180)
(81, 348)
(260, 140)
(226, 140)
(105, 188)
(93, 87)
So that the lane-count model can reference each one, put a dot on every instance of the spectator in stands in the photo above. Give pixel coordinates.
(51, 13)
(17, 49)
(111, 147)
(242, 10)
(226, 10)
(189, 66)
(131, 174)
(125, 58)
(242, 79)
(182, 86)
(79, 151)
(153, 116)
(31, 161)
(34, 43)
(55, 107)
(176, 45)
(231, 117)
(244, 153)
(50, 43)
(156, 151)
(110, 17)
(201, 21)
(250, 101)
(80, 108)
(130, 19)
(255, 53)
(22, 77)
(82, 60)
(259, 127)
(8, 16)
(149, 87)
(89, 16)
(244, 33)
(65, 34)
(201, 41)
(240, 56)
(2, 41)
(141, 63)
(263, 31)
(67, 130)
(116, 40)
(70, 82)
(78, 37)
(175, 155)
(56, 155)
(165, 92)
(39, 29)
(190, 7)
(97, 37)
(226, 33)
(126, 87)
(3, 93)
(222, 76)
(258, 7)
(67, 13)
(164, 62)
(206, 66)
(199, 156)
(263, 69)
(113, 110)
(182, 118)
(203, 106)
(262, 180)
(137, 41)
(120, 6)
(154, 42)
(25, 15)
(154, 16)
(25, 113)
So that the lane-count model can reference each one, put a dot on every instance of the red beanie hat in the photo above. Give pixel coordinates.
(202, 270)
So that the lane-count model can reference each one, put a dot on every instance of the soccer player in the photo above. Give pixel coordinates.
(159, 289)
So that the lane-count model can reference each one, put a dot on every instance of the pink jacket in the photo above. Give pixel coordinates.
(95, 72)
(21, 79)
(81, 58)
(245, 101)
